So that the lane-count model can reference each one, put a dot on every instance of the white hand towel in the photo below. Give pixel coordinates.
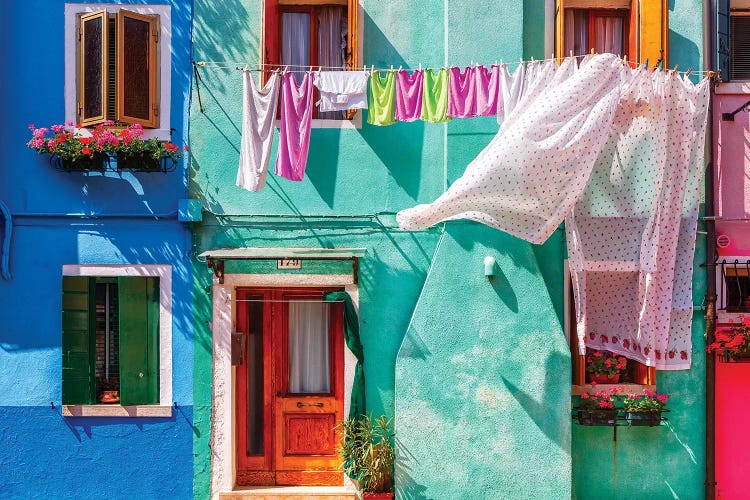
(258, 114)
(341, 90)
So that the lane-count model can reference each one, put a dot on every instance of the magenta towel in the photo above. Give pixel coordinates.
(488, 88)
(409, 88)
(296, 120)
(462, 93)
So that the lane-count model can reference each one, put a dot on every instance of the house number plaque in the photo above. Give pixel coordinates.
(288, 264)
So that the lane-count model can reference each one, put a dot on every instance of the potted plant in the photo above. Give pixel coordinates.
(732, 344)
(86, 153)
(604, 367)
(645, 409)
(597, 408)
(109, 390)
(367, 455)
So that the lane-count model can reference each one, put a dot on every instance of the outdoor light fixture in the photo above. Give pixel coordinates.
(490, 267)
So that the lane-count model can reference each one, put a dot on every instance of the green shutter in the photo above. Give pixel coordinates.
(139, 340)
(723, 55)
(78, 341)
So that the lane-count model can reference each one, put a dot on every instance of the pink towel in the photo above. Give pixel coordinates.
(488, 88)
(462, 94)
(409, 88)
(296, 120)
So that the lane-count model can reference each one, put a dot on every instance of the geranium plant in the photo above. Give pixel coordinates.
(605, 363)
(647, 402)
(67, 143)
(732, 342)
(601, 400)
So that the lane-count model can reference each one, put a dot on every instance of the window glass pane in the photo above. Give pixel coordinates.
(576, 32)
(92, 67)
(309, 363)
(255, 376)
(295, 41)
(136, 68)
(608, 35)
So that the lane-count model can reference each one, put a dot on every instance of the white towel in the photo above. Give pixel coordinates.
(341, 90)
(258, 114)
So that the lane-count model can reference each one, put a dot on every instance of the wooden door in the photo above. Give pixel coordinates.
(290, 387)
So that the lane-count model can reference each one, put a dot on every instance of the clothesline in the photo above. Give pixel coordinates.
(270, 68)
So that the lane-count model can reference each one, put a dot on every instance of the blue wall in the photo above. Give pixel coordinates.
(135, 221)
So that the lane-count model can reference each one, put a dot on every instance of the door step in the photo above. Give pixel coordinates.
(289, 493)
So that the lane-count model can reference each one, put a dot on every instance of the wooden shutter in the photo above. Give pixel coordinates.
(654, 31)
(560, 30)
(92, 68)
(352, 45)
(78, 340)
(137, 39)
(739, 51)
(271, 48)
(139, 339)
(723, 55)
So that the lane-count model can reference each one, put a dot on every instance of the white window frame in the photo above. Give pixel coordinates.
(724, 316)
(164, 273)
(164, 81)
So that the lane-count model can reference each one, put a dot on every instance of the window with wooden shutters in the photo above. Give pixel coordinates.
(310, 33)
(739, 65)
(118, 68)
(629, 28)
(110, 339)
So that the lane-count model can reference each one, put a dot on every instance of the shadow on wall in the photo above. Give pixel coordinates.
(552, 397)
(223, 33)
(408, 488)
(398, 146)
(682, 51)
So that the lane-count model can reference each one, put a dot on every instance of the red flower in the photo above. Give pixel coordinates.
(86, 140)
(86, 151)
(187, 148)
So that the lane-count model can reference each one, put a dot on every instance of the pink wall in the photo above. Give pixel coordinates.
(732, 438)
(732, 173)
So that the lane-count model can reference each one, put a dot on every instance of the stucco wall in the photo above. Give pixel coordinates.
(43, 453)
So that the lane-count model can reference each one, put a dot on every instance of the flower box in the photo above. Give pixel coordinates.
(645, 418)
(597, 417)
(94, 163)
(140, 162)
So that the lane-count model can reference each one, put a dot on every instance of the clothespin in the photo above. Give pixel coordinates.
(245, 68)
(675, 68)
(592, 51)
(710, 74)
(286, 69)
(391, 67)
(400, 68)
(690, 70)
(310, 71)
(201, 63)
(420, 66)
(532, 59)
(571, 53)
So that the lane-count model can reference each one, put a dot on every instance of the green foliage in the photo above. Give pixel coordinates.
(367, 453)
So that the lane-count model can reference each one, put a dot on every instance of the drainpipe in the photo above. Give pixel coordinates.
(710, 299)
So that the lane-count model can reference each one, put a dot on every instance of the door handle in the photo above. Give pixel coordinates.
(300, 404)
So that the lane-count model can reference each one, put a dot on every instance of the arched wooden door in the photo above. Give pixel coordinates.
(290, 387)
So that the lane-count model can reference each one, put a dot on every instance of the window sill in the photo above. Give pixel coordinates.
(622, 388)
(734, 87)
(116, 411)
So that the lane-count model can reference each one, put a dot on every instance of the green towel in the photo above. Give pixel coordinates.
(435, 96)
(382, 98)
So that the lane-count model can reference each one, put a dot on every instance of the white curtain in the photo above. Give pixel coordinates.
(309, 364)
(332, 46)
(576, 32)
(295, 42)
(608, 35)
(619, 152)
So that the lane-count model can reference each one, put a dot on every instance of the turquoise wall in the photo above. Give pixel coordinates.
(483, 377)
(512, 402)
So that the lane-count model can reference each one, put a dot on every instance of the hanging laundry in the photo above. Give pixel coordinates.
(487, 90)
(618, 154)
(462, 92)
(511, 88)
(341, 90)
(382, 98)
(296, 121)
(258, 115)
(409, 89)
(435, 96)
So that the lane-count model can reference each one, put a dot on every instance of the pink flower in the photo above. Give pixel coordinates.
(69, 124)
(39, 133)
(187, 148)
(597, 354)
(585, 395)
(58, 128)
(51, 143)
(608, 362)
(31, 126)
(662, 398)
(108, 123)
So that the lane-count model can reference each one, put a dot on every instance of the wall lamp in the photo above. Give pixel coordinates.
(729, 117)
(490, 267)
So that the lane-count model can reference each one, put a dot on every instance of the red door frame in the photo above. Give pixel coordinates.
(264, 469)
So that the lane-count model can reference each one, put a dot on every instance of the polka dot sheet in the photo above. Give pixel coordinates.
(617, 153)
